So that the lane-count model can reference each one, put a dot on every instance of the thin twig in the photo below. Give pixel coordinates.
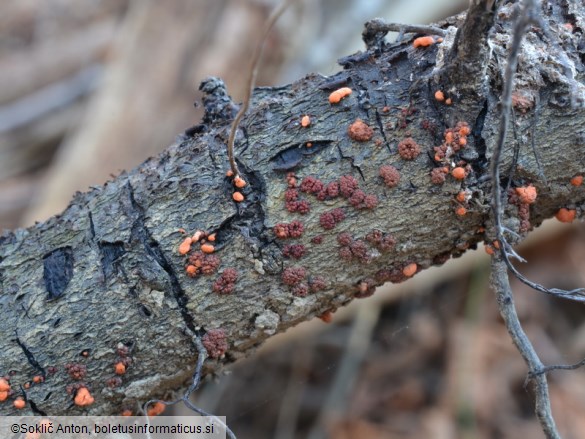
(195, 380)
(560, 367)
(501, 286)
(251, 82)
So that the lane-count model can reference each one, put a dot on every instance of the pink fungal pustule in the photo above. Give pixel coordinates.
(311, 185)
(291, 195)
(330, 219)
(408, 149)
(317, 283)
(347, 185)
(352, 249)
(359, 249)
(317, 239)
(300, 290)
(295, 251)
(360, 131)
(370, 202)
(344, 239)
(357, 198)
(438, 176)
(390, 175)
(215, 342)
(303, 207)
(292, 276)
(383, 241)
(226, 282)
(365, 288)
(345, 253)
(76, 371)
(361, 200)
(393, 275)
(203, 263)
(294, 229)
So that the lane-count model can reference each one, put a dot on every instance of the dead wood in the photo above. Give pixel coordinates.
(103, 282)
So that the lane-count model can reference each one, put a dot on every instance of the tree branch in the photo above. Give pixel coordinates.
(104, 282)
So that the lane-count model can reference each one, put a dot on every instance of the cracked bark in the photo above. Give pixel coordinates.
(106, 271)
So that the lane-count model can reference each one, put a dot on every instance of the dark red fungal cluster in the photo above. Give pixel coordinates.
(311, 185)
(352, 249)
(300, 290)
(365, 288)
(226, 282)
(331, 218)
(408, 149)
(383, 241)
(454, 140)
(292, 276)
(390, 175)
(438, 175)
(317, 283)
(318, 239)
(347, 185)
(291, 197)
(295, 251)
(215, 342)
(204, 263)
(344, 239)
(360, 131)
(360, 200)
(293, 229)
(393, 275)
(523, 210)
(76, 371)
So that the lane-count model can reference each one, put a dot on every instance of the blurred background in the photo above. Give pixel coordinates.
(91, 87)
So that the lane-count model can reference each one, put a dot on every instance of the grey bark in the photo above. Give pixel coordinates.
(107, 272)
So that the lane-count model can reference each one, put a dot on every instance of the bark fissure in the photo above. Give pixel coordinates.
(141, 234)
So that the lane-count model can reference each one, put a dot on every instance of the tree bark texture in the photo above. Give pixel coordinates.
(103, 282)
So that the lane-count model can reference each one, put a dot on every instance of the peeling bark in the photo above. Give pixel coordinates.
(104, 279)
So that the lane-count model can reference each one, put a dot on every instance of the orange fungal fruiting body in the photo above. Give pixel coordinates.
(566, 215)
(120, 368)
(439, 96)
(339, 94)
(458, 173)
(19, 403)
(83, 397)
(185, 246)
(526, 194)
(305, 121)
(577, 180)
(156, 409)
(238, 197)
(410, 270)
(423, 41)
(239, 182)
(461, 211)
(207, 248)
(4, 385)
